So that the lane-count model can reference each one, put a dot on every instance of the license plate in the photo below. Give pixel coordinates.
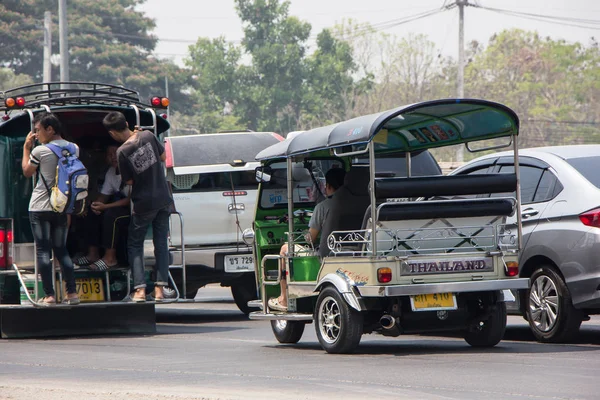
(433, 302)
(243, 263)
(90, 289)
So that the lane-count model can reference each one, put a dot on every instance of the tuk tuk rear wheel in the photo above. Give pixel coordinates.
(338, 326)
(490, 331)
(287, 331)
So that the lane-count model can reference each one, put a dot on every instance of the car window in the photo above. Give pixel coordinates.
(422, 164)
(546, 189)
(479, 171)
(588, 167)
(216, 181)
(306, 193)
(530, 178)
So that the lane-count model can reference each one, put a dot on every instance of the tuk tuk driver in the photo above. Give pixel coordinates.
(334, 179)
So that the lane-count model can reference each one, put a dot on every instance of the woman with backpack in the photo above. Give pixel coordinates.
(49, 227)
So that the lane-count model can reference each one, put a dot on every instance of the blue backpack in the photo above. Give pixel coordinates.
(70, 189)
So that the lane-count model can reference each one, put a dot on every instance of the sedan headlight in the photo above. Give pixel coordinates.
(248, 236)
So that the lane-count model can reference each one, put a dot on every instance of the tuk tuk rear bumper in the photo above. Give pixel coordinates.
(446, 287)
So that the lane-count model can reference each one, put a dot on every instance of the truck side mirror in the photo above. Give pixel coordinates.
(263, 174)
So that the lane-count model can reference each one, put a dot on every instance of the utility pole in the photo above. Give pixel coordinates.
(47, 46)
(461, 63)
(64, 44)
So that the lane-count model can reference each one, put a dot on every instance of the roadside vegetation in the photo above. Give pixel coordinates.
(284, 77)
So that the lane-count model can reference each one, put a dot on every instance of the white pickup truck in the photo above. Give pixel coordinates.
(215, 191)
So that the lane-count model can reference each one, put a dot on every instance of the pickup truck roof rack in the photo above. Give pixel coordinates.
(72, 93)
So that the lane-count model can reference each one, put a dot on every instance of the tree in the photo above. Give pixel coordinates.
(276, 42)
(547, 82)
(9, 80)
(330, 85)
(215, 68)
(109, 42)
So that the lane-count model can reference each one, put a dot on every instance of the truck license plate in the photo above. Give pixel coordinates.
(243, 263)
(433, 302)
(90, 289)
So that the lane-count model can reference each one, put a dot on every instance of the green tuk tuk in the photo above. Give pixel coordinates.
(398, 254)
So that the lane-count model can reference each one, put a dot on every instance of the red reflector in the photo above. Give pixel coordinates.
(591, 218)
(169, 160)
(2, 258)
(5, 117)
(155, 101)
(237, 193)
(20, 102)
(164, 116)
(384, 275)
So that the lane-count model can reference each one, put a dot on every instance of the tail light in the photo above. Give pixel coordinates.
(6, 239)
(169, 154)
(591, 218)
(384, 275)
(159, 102)
(14, 102)
(512, 268)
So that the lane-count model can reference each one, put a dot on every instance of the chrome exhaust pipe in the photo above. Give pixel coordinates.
(390, 326)
(387, 321)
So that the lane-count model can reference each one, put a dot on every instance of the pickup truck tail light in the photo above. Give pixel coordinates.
(591, 218)
(6, 239)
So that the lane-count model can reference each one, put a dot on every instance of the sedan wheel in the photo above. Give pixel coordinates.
(549, 308)
(543, 303)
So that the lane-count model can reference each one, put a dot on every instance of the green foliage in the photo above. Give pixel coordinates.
(549, 83)
(108, 42)
(8, 79)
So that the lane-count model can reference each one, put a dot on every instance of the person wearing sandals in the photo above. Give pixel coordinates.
(334, 179)
(49, 228)
(109, 214)
(139, 159)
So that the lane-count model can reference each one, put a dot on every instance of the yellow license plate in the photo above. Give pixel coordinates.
(90, 289)
(433, 301)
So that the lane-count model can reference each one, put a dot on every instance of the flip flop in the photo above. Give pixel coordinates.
(274, 304)
(45, 303)
(131, 298)
(72, 301)
(82, 261)
(101, 265)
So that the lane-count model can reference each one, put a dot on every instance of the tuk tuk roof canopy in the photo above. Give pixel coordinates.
(408, 128)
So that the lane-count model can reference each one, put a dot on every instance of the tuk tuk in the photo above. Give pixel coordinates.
(397, 254)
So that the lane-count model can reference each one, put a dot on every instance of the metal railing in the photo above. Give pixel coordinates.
(426, 240)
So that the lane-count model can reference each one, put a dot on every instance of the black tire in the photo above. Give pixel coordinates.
(339, 327)
(287, 331)
(549, 307)
(490, 331)
(244, 290)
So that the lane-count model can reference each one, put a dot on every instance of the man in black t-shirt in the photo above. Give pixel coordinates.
(139, 159)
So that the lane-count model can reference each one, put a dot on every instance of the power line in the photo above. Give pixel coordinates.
(552, 19)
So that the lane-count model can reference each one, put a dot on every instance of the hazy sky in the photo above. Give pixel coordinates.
(181, 22)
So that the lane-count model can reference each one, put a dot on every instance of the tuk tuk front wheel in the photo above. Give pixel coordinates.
(287, 331)
(339, 327)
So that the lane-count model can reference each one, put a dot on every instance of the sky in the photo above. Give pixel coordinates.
(180, 22)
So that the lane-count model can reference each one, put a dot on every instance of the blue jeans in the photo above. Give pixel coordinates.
(138, 227)
(50, 233)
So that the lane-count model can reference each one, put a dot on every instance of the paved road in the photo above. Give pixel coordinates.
(211, 351)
